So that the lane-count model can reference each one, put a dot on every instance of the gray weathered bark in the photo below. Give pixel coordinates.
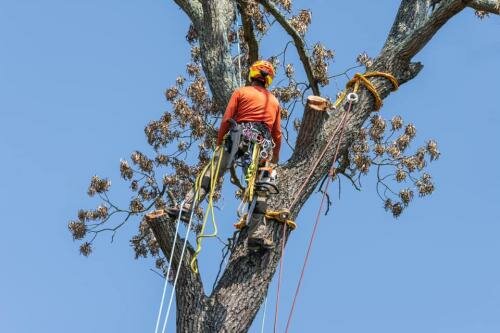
(240, 292)
(489, 6)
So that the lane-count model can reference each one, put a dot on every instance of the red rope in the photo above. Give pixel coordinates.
(284, 225)
(315, 165)
(276, 311)
(318, 215)
(341, 125)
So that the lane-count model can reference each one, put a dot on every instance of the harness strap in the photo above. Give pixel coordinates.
(280, 216)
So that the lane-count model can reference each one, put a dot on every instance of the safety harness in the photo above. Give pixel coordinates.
(249, 146)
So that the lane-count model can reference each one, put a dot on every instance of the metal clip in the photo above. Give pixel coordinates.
(352, 97)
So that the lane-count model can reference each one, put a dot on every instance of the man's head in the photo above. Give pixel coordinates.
(262, 71)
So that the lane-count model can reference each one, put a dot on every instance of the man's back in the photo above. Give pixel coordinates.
(254, 103)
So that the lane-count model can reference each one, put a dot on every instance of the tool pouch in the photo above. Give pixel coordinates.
(232, 142)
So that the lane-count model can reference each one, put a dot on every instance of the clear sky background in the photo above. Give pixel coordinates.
(80, 79)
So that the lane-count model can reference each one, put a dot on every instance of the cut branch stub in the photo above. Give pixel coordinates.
(317, 103)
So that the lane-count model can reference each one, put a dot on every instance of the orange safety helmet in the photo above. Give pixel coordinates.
(263, 71)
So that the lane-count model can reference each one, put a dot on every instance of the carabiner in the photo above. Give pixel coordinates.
(352, 97)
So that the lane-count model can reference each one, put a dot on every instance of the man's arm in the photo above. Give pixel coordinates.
(230, 112)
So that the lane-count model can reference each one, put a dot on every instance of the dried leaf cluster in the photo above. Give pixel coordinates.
(385, 146)
(158, 180)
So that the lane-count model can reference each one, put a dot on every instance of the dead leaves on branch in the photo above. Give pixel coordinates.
(190, 125)
(384, 145)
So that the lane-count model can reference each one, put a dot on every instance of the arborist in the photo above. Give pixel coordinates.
(249, 136)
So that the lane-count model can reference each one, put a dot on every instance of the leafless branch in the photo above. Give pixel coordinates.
(411, 15)
(489, 6)
(248, 32)
(192, 8)
(163, 228)
(298, 41)
(419, 37)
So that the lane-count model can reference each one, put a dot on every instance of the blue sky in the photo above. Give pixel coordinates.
(79, 79)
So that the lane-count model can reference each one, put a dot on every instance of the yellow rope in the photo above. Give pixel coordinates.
(363, 79)
(214, 175)
(251, 173)
(280, 216)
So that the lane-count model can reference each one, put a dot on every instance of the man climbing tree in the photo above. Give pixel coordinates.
(346, 141)
(253, 114)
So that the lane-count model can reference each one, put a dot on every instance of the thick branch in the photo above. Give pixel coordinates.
(297, 40)
(164, 230)
(415, 41)
(248, 32)
(411, 15)
(395, 59)
(189, 290)
(216, 49)
(192, 8)
(489, 6)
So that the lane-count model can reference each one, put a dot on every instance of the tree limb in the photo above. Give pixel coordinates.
(489, 6)
(193, 10)
(419, 37)
(189, 288)
(298, 41)
(216, 49)
(248, 32)
(411, 15)
(163, 228)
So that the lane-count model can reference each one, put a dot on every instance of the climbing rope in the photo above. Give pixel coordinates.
(283, 236)
(318, 215)
(294, 201)
(180, 261)
(251, 173)
(276, 310)
(214, 175)
(168, 269)
(354, 83)
(238, 46)
(264, 316)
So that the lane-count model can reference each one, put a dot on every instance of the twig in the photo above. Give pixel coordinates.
(298, 41)
(248, 32)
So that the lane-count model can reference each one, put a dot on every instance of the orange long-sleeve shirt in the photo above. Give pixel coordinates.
(254, 104)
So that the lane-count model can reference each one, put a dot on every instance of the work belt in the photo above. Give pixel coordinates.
(243, 135)
(254, 132)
